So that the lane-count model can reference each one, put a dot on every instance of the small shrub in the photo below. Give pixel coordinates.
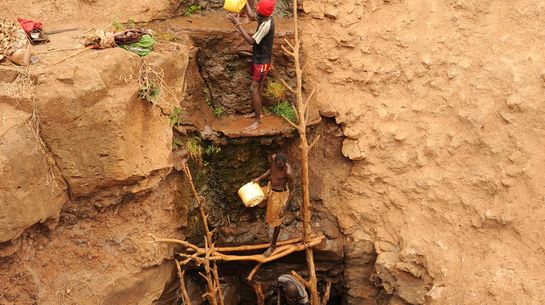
(192, 9)
(131, 24)
(218, 111)
(284, 109)
(176, 143)
(118, 26)
(164, 36)
(206, 94)
(149, 91)
(212, 149)
(275, 91)
(194, 148)
(175, 118)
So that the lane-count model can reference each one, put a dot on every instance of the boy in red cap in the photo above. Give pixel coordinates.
(262, 42)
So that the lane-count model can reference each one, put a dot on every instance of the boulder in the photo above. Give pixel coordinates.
(102, 134)
(31, 189)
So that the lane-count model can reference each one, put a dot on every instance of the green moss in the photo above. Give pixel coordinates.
(218, 111)
(192, 9)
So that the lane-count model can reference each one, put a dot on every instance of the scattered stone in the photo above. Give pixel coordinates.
(353, 150)
(317, 15)
(329, 113)
(331, 15)
(435, 293)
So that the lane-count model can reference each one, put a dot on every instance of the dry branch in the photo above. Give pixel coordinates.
(287, 51)
(314, 142)
(181, 273)
(289, 44)
(256, 247)
(286, 85)
(212, 278)
(300, 278)
(258, 288)
(71, 55)
(253, 272)
(327, 292)
(290, 122)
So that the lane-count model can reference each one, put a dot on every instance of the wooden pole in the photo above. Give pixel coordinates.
(302, 107)
(212, 279)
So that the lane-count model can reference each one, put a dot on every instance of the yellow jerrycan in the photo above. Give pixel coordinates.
(234, 6)
(251, 194)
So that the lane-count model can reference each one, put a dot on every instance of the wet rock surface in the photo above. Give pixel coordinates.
(224, 57)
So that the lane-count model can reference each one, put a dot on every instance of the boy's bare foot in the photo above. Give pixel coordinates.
(251, 115)
(255, 125)
(269, 252)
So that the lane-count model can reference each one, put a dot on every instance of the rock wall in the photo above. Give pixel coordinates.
(441, 106)
(224, 58)
(102, 134)
(31, 189)
(80, 149)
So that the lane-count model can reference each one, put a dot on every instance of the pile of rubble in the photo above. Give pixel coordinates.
(12, 39)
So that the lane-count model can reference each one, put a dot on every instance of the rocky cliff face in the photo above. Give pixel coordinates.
(430, 162)
(84, 155)
(441, 106)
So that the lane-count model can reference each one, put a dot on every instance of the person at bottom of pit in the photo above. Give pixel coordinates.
(291, 290)
(277, 195)
(262, 42)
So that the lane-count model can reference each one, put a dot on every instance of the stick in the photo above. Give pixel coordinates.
(174, 241)
(181, 273)
(59, 50)
(299, 278)
(258, 289)
(286, 84)
(327, 293)
(260, 259)
(13, 284)
(287, 52)
(256, 247)
(70, 56)
(253, 272)
(289, 44)
(61, 31)
(314, 142)
(290, 122)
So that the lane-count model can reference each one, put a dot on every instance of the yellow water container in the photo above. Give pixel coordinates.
(234, 6)
(251, 194)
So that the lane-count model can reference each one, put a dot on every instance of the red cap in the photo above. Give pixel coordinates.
(266, 7)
